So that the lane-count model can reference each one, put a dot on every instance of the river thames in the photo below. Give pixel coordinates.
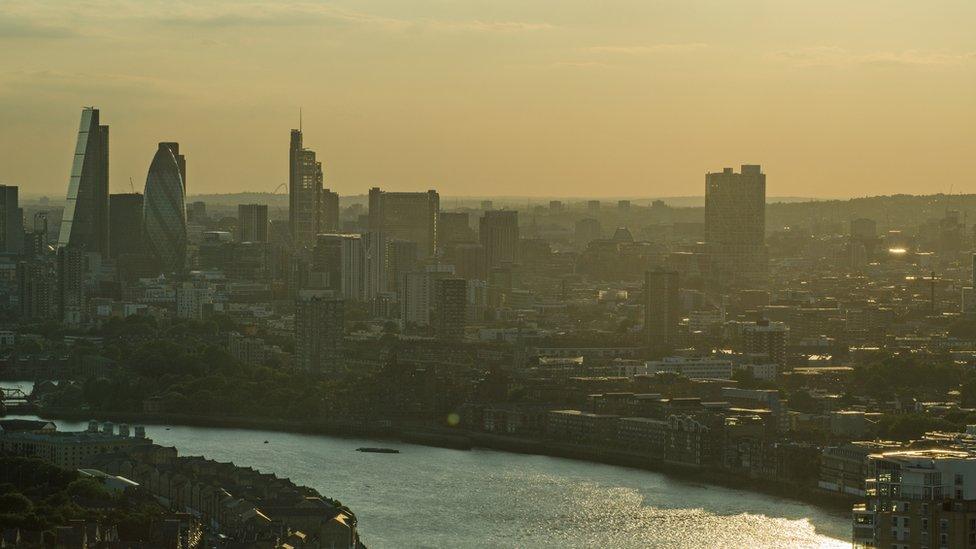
(433, 497)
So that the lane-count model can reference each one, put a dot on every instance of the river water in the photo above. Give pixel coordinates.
(434, 497)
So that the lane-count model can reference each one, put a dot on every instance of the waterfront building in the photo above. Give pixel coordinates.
(735, 227)
(252, 223)
(661, 311)
(918, 498)
(164, 210)
(408, 216)
(499, 235)
(11, 222)
(125, 224)
(319, 331)
(196, 212)
(84, 222)
(304, 193)
(69, 450)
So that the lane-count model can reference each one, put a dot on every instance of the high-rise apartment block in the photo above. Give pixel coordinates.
(499, 235)
(408, 216)
(662, 311)
(11, 222)
(735, 227)
(450, 296)
(319, 319)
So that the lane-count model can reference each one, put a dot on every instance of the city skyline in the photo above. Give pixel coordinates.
(635, 101)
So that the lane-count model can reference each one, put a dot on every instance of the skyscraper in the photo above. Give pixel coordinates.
(84, 222)
(319, 330)
(11, 222)
(252, 223)
(164, 210)
(304, 193)
(735, 227)
(406, 216)
(125, 224)
(499, 234)
(661, 311)
(329, 212)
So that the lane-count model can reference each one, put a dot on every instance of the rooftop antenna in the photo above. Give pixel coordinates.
(131, 186)
(299, 119)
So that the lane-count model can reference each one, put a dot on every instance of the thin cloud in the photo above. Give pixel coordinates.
(834, 56)
(234, 14)
(25, 28)
(648, 49)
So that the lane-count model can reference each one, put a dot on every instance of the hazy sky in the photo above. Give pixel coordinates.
(514, 97)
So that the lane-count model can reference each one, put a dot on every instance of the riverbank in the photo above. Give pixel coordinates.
(464, 440)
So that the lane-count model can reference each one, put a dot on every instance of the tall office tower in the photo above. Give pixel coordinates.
(376, 249)
(125, 224)
(304, 193)
(593, 207)
(499, 234)
(623, 205)
(85, 219)
(449, 307)
(37, 290)
(164, 210)
(401, 258)
(735, 227)
(469, 261)
(339, 261)
(329, 212)
(487, 205)
(586, 231)
(319, 319)
(252, 223)
(453, 228)
(555, 206)
(71, 285)
(11, 222)
(662, 311)
(406, 216)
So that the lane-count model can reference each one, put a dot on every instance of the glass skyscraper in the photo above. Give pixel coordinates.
(84, 222)
(164, 208)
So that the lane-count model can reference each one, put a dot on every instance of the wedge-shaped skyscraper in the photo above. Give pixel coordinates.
(84, 223)
(164, 208)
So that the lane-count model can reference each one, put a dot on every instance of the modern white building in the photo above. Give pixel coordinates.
(693, 368)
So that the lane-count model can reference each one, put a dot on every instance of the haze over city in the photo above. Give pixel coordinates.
(556, 98)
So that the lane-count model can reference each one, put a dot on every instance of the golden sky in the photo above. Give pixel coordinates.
(633, 98)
